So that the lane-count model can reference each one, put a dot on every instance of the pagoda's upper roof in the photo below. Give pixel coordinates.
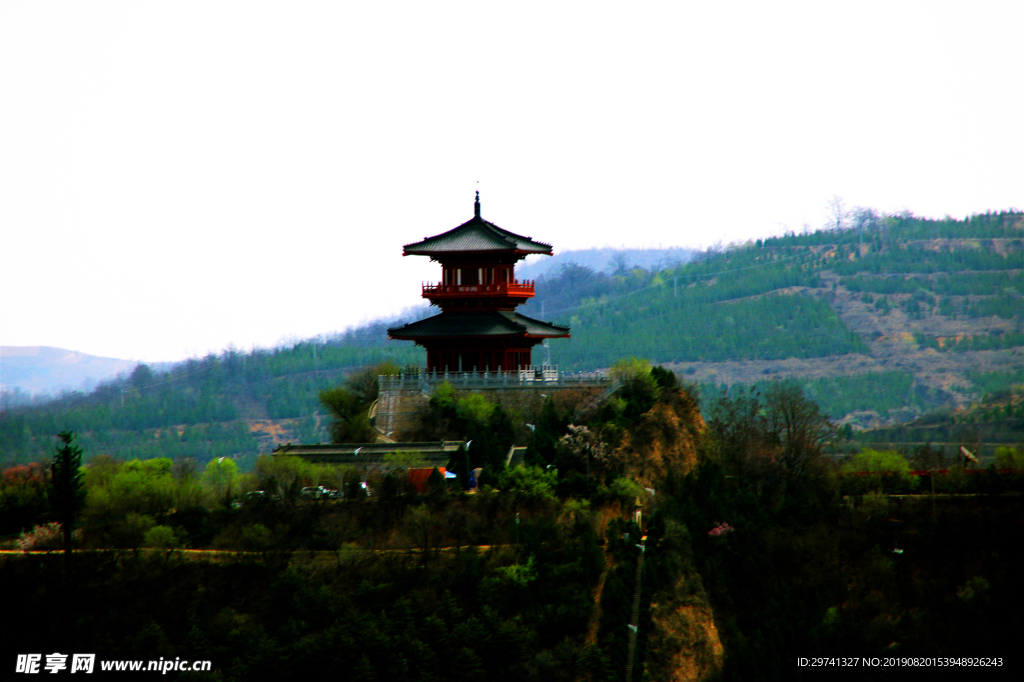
(475, 234)
(457, 323)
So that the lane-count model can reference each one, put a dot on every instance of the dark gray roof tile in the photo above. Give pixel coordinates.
(478, 323)
(475, 235)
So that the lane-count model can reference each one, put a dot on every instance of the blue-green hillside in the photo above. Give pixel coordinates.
(890, 316)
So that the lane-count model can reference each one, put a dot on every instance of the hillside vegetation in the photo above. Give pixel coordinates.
(933, 302)
(881, 320)
(642, 532)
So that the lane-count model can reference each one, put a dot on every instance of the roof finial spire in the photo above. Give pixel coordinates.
(476, 204)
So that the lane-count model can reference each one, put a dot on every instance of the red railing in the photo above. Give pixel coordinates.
(926, 472)
(516, 288)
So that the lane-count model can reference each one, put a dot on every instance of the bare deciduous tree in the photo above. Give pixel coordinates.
(797, 426)
(780, 433)
(838, 214)
(423, 529)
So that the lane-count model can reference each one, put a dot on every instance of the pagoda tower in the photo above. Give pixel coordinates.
(478, 328)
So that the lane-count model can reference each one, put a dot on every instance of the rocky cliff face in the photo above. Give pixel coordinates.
(684, 642)
(665, 439)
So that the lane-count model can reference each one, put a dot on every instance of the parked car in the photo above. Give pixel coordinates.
(260, 496)
(254, 497)
(319, 493)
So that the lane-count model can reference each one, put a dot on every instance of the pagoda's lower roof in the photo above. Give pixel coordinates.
(455, 323)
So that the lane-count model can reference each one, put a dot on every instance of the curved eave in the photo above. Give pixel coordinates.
(478, 324)
(516, 252)
(522, 335)
(397, 335)
(475, 235)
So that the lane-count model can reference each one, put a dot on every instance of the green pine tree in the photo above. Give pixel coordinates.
(67, 494)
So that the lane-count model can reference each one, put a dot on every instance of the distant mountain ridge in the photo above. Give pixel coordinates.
(607, 260)
(35, 370)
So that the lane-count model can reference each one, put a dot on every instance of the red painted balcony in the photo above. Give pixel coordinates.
(516, 288)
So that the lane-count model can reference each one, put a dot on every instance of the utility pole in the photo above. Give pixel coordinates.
(635, 614)
(547, 348)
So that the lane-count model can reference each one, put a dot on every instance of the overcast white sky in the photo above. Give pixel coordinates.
(178, 176)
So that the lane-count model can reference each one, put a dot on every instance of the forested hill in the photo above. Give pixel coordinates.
(881, 319)
(955, 282)
(893, 315)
